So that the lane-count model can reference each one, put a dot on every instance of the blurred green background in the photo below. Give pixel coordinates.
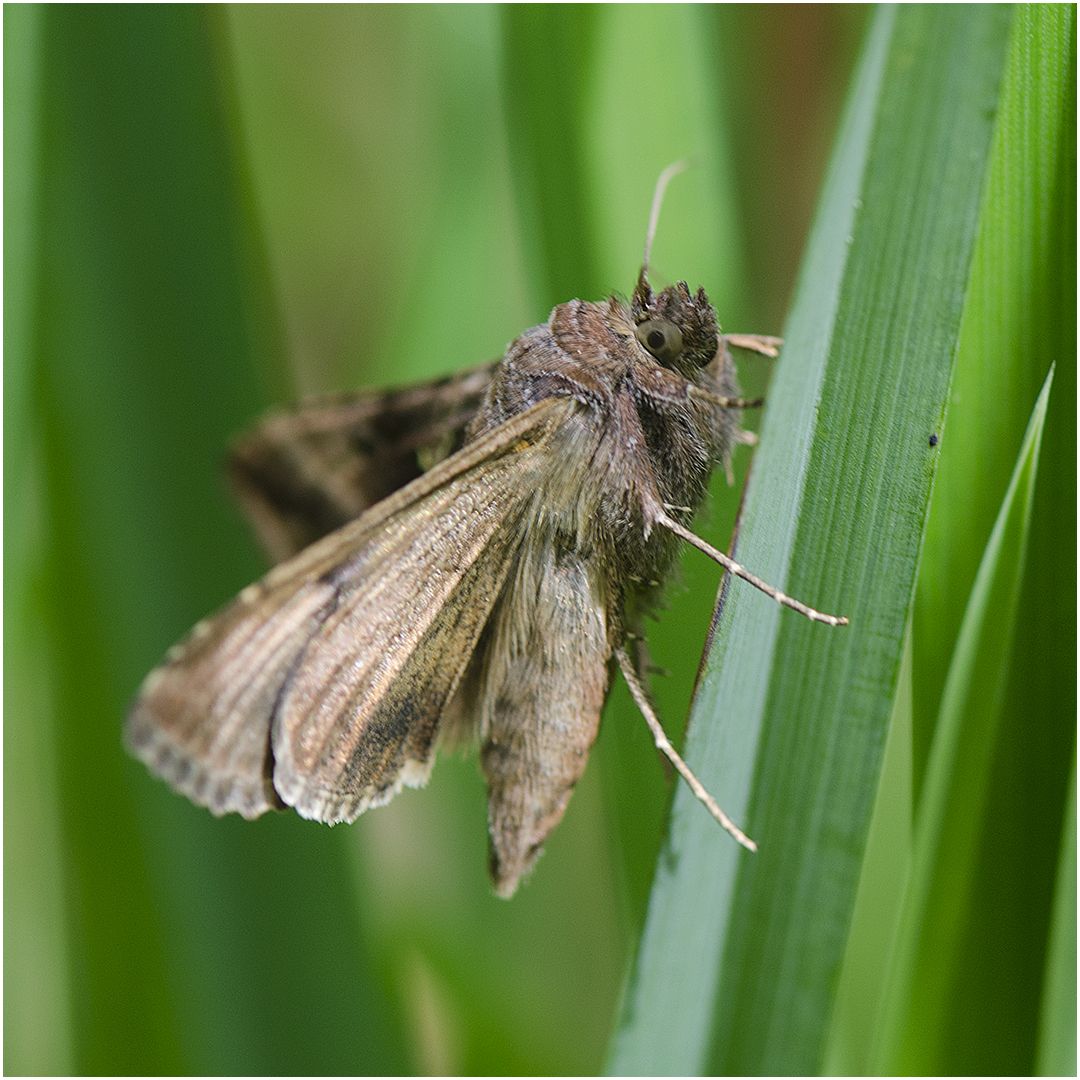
(210, 210)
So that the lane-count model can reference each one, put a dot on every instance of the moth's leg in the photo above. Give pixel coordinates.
(664, 744)
(738, 570)
(759, 343)
(636, 645)
(545, 685)
(723, 401)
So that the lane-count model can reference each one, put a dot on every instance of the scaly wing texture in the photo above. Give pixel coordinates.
(302, 473)
(321, 686)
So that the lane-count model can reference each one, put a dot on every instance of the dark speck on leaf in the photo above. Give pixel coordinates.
(933, 440)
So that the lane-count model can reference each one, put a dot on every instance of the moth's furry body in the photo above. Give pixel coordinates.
(484, 599)
(632, 442)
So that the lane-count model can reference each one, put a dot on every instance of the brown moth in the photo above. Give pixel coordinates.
(466, 560)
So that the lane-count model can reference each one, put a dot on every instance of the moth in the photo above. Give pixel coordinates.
(467, 560)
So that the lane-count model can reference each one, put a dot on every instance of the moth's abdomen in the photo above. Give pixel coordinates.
(543, 690)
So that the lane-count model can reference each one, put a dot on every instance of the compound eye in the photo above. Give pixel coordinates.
(662, 338)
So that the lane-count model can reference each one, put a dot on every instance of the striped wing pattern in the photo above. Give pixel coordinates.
(322, 685)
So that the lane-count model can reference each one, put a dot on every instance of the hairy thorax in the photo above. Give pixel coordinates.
(633, 440)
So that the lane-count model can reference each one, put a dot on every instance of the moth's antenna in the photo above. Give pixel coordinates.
(666, 177)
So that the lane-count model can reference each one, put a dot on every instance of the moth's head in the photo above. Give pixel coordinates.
(680, 330)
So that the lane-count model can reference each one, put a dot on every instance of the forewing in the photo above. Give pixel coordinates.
(302, 473)
(321, 685)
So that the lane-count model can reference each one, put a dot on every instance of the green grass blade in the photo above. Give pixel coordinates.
(950, 816)
(36, 962)
(1020, 318)
(1015, 326)
(879, 900)
(1056, 1054)
(194, 945)
(736, 971)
